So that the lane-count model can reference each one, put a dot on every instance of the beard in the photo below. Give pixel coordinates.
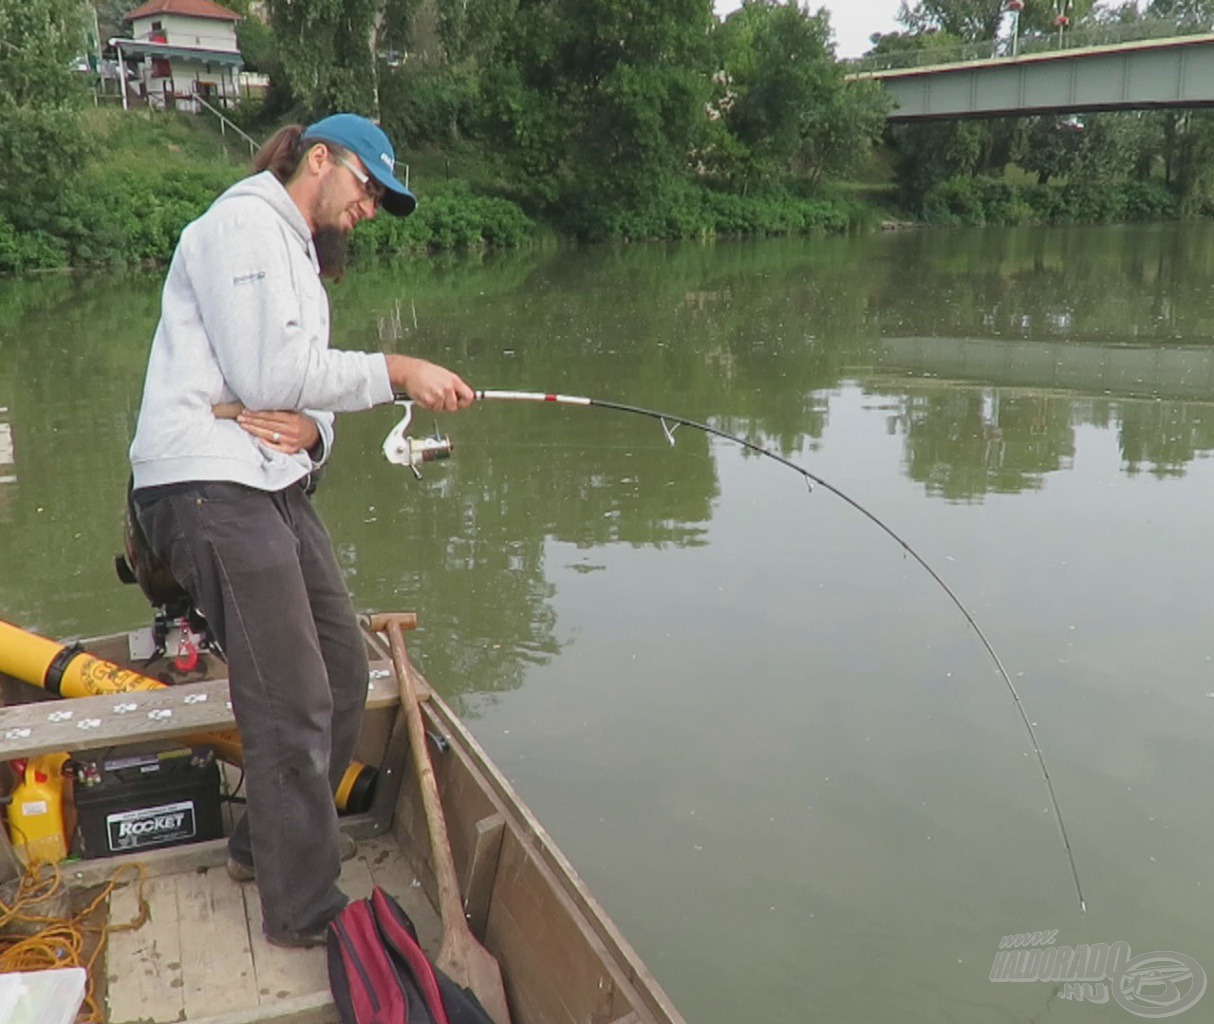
(332, 249)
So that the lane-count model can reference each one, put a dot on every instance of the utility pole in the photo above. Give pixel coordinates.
(99, 87)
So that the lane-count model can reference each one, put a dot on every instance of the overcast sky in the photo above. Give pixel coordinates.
(852, 20)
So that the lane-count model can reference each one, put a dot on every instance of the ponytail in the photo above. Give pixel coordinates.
(282, 153)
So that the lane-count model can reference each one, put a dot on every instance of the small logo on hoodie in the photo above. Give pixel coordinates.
(256, 275)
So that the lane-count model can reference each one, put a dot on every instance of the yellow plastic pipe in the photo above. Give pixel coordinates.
(68, 671)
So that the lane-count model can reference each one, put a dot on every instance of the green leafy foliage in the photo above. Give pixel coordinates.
(40, 39)
(978, 201)
(29, 250)
(326, 53)
(784, 98)
(427, 102)
(132, 214)
(41, 153)
(42, 144)
(965, 19)
(594, 103)
(448, 218)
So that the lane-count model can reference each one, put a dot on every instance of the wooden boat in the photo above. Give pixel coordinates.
(200, 956)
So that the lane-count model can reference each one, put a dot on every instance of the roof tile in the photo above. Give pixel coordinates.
(187, 8)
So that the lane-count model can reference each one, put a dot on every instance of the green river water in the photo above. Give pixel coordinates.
(773, 748)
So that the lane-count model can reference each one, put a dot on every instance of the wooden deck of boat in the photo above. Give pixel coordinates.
(201, 955)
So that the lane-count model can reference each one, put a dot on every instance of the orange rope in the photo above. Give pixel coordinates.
(61, 941)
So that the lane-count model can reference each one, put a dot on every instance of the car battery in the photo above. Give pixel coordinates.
(137, 799)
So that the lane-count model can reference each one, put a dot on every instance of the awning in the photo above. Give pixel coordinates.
(197, 54)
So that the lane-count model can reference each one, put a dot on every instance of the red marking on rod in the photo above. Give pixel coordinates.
(550, 398)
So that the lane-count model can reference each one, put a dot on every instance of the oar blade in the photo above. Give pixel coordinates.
(466, 962)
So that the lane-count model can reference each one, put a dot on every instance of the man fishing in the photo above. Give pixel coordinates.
(224, 502)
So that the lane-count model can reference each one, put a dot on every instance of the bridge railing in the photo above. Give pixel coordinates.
(1091, 35)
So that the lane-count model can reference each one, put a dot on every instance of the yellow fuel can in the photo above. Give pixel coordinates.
(40, 814)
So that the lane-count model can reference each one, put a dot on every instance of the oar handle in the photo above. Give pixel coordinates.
(450, 905)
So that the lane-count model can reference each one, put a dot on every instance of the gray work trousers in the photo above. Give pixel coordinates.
(260, 566)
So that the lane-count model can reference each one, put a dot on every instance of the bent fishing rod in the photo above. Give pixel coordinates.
(411, 452)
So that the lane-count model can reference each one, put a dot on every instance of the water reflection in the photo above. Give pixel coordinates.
(963, 440)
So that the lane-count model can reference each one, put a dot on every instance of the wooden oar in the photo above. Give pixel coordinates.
(464, 959)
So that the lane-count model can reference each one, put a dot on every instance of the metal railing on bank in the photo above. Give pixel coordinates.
(225, 123)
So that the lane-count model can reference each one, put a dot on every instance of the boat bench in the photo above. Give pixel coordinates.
(87, 723)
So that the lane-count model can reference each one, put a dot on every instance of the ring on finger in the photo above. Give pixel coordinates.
(277, 437)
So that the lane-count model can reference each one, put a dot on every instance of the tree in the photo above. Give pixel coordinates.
(1187, 14)
(598, 103)
(1052, 147)
(792, 108)
(439, 57)
(1188, 150)
(42, 144)
(930, 154)
(914, 44)
(326, 51)
(980, 20)
(110, 18)
(967, 19)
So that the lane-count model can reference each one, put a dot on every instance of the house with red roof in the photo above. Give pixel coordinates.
(186, 50)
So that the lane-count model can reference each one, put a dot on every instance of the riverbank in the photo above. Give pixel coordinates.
(152, 173)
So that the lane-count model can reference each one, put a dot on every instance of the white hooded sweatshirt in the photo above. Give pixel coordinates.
(244, 317)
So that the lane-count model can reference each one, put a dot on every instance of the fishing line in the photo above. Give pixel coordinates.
(671, 422)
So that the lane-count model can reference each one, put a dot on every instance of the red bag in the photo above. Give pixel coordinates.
(378, 973)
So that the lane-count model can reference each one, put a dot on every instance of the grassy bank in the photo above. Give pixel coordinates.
(152, 173)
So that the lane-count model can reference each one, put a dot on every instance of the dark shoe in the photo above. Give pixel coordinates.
(241, 872)
(299, 940)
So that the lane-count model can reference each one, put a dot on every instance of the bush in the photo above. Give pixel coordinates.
(452, 217)
(29, 250)
(132, 214)
(965, 200)
(1149, 200)
(689, 210)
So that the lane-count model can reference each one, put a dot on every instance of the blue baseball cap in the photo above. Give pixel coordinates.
(367, 141)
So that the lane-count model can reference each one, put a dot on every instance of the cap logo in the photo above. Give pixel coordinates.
(391, 164)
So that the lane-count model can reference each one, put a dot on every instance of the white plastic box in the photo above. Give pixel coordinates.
(42, 997)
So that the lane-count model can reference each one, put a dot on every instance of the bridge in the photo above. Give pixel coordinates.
(1138, 75)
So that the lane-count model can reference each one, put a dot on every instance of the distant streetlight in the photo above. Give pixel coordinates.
(1015, 6)
(1062, 21)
